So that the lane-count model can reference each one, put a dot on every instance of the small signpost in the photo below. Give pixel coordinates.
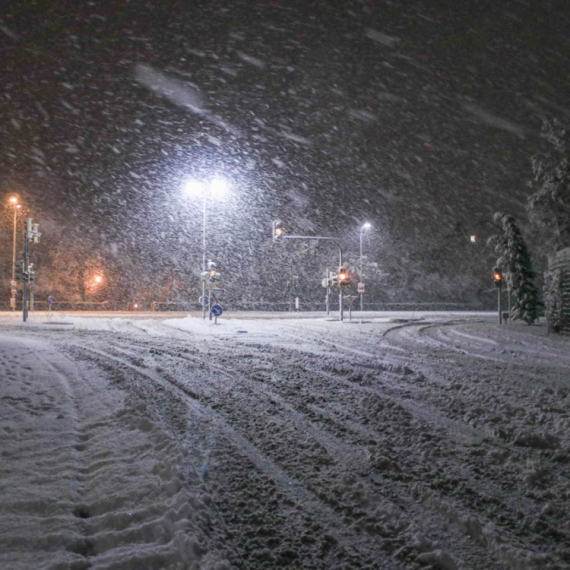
(350, 299)
(216, 310)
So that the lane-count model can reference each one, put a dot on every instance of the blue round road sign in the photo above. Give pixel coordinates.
(216, 310)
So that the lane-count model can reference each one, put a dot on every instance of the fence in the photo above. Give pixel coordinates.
(69, 306)
(160, 306)
(318, 306)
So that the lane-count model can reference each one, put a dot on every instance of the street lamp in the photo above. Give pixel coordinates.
(217, 188)
(14, 202)
(366, 226)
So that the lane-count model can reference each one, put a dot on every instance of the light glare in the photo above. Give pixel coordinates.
(193, 188)
(219, 187)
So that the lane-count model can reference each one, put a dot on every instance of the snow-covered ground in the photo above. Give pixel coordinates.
(403, 441)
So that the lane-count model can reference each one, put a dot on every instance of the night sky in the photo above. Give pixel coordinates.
(420, 117)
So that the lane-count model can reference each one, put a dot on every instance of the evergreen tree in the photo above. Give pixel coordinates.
(549, 206)
(514, 258)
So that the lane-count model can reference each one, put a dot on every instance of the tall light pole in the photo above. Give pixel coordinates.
(14, 201)
(366, 226)
(217, 188)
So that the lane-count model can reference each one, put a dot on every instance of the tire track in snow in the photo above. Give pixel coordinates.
(454, 392)
(116, 485)
(286, 485)
(399, 489)
(489, 539)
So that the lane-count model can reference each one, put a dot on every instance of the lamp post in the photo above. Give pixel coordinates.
(14, 201)
(217, 188)
(366, 226)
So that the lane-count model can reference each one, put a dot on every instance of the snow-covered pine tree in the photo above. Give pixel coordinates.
(514, 258)
(549, 206)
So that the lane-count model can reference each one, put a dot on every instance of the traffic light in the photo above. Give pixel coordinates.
(212, 273)
(20, 275)
(19, 270)
(36, 233)
(32, 231)
(278, 231)
(342, 277)
(497, 276)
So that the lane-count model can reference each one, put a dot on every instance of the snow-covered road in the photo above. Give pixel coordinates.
(405, 441)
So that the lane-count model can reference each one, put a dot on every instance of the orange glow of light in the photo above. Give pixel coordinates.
(498, 276)
(98, 278)
(14, 200)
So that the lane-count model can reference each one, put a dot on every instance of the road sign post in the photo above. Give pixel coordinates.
(350, 299)
(216, 310)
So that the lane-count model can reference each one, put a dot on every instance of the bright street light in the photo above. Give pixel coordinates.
(219, 188)
(216, 188)
(366, 226)
(194, 188)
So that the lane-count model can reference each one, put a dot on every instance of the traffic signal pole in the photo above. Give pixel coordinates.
(278, 236)
(499, 306)
(498, 277)
(31, 232)
(26, 272)
(13, 282)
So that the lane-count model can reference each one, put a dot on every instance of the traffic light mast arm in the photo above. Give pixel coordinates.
(319, 238)
(279, 234)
